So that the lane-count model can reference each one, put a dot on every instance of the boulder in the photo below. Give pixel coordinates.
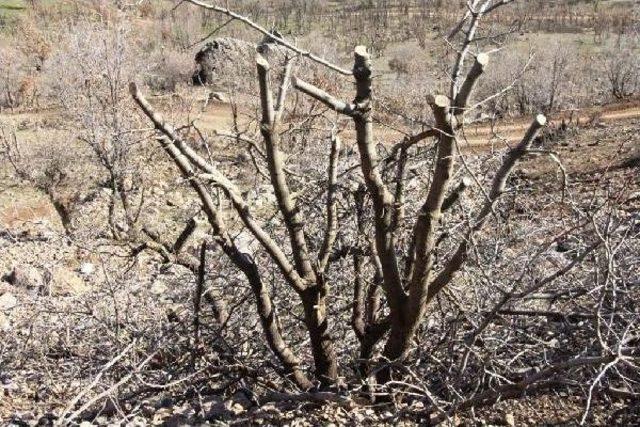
(25, 277)
(220, 56)
(215, 55)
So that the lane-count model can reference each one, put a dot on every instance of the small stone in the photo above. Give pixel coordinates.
(5, 324)
(65, 282)
(8, 301)
(237, 408)
(510, 420)
(87, 268)
(159, 288)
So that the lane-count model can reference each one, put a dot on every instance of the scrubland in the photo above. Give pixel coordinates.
(439, 227)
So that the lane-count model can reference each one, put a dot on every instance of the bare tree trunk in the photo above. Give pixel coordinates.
(403, 328)
(315, 292)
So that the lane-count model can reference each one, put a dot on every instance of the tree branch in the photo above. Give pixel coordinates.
(290, 212)
(239, 204)
(497, 188)
(331, 230)
(462, 99)
(324, 97)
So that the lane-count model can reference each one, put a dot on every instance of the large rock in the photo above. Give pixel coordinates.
(216, 55)
(222, 56)
(25, 277)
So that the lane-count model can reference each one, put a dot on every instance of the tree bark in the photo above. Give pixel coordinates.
(314, 294)
(177, 150)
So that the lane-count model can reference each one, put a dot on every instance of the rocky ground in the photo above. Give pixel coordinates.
(68, 303)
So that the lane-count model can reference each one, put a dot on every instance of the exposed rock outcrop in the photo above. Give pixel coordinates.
(222, 55)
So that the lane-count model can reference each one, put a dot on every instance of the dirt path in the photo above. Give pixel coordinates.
(218, 117)
(514, 130)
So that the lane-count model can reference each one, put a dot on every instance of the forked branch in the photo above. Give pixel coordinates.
(243, 261)
(230, 190)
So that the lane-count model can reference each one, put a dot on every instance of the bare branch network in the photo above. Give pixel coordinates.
(352, 237)
(405, 271)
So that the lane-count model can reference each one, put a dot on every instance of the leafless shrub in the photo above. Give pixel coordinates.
(33, 43)
(89, 77)
(11, 67)
(315, 255)
(622, 69)
(45, 170)
(169, 69)
(536, 81)
(384, 253)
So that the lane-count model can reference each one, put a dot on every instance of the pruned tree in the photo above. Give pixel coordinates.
(402, 252)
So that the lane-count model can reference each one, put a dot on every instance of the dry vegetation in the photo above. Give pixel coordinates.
(237, 216)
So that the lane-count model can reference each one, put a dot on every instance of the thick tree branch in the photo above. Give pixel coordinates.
(462, 99)
(429, 216)
(243, 261)
(284, 87)
(497, 188)
(290, 212)
(476, 16)
(331, 230)
(220, 180)
(322, 96)
(420, 261)
(380, 194)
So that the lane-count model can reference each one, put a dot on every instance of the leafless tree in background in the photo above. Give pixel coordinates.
(623, 70)
(91, 74)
